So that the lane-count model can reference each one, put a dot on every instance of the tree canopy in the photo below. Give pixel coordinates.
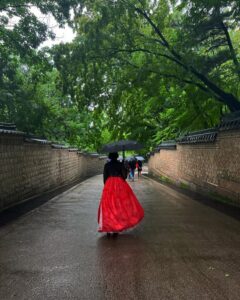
(145, 70)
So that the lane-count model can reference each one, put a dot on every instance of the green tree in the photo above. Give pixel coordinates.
(117, 30)
(145, 70)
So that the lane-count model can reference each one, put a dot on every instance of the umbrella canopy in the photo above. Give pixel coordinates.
(139, 158)
(122, 146)
(130, 158)
(120, 158)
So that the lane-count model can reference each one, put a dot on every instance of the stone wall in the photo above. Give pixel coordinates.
(28, 169)
(211, 167)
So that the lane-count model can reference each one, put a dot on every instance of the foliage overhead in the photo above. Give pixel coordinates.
(145, 70)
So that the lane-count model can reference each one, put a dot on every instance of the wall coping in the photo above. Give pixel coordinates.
(7, 126)
(59, 146)
(37, 141)
(230, 122)
(168, 145)
(201, 136)
(209, 135)
(11, 130)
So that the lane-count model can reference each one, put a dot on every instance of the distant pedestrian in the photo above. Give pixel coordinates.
(132, 166)
(119, 208)
(139, 167)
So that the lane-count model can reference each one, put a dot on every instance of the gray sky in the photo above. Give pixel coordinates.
(63, 35)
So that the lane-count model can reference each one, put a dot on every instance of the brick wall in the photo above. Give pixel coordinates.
(211, 168)
(29, 169)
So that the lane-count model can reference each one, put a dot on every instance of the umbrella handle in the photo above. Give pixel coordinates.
(123, 150)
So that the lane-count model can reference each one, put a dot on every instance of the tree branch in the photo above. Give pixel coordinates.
(203, 88)
(151, 39)
(149, 52)
(226, 98)
(230, 45)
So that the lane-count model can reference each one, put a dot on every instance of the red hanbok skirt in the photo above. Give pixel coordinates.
(119, 208)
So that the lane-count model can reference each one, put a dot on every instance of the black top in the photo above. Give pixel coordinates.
(132, 164)
(114, 168)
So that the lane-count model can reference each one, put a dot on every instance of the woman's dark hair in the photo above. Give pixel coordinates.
(113, 155)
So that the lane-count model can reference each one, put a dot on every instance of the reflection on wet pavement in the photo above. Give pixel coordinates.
(181, 250)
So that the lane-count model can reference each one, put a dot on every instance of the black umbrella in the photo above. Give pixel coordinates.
(122, 146)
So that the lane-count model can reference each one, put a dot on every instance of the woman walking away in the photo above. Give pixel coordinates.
(119, 208)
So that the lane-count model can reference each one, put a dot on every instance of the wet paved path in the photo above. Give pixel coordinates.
(182, 250)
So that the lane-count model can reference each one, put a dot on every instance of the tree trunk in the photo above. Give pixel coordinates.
(231, 102)
(230, 45)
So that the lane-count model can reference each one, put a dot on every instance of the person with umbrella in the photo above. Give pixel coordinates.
(119, 208)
